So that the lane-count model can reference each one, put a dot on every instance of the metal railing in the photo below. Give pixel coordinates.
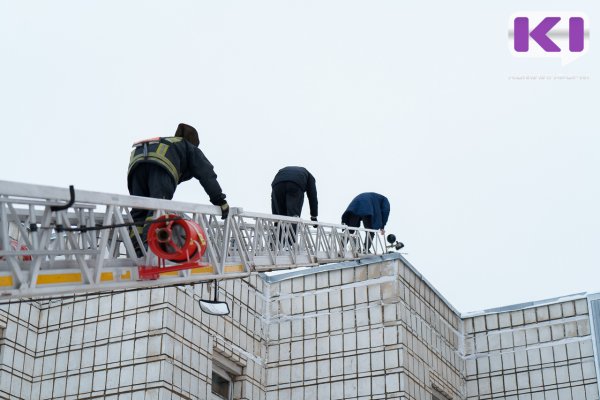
(47, 248)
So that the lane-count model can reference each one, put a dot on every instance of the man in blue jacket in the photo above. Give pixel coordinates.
(159, 164)
(373, 209)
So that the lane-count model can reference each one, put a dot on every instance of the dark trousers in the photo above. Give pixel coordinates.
(355, 220)
(149, 180)
(287, 199)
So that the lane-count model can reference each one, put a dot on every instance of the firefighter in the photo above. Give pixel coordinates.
(159, 164)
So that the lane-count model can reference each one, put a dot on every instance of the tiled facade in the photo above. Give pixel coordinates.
(148, 344)
(367, 332)
(539, 353)
(360, 330)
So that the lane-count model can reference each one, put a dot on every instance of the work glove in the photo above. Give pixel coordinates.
(315, 220)
(224, 210)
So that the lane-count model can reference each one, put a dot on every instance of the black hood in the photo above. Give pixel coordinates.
(189, 133)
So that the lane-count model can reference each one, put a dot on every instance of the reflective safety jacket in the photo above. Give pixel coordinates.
(182, 159)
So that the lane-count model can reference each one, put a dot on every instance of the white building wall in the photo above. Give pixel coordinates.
(146, 344)
(539, 352)
(371, 330)
(367, 332)
(18, 341)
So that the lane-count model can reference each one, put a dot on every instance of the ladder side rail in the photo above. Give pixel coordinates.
(5, 242)
(333, 242)
(268, 240)
(204, 222)
(379, 246)
(225, 245)
(251, 239)
(71, 239)
(47, 194)
(376, 242)
(308, 243)
(127, 242)
(240, 243)
(86, 218)
(81, 220)
(256, 238)
(329, 242)
(32, 218)
(247, 237)
(119, 236)
(264, 240)
(291, 242)
(57, 195)
(102, 287)
(14, 218)
(271, 233)
(43, 244)
(113, 242)
(102, 244)
(320, 244)
(336, 243)
(136, 236)
(242, 238)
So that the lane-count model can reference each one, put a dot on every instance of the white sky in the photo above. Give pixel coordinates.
(493, 182)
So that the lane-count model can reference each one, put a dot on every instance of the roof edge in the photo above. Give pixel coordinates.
(528, 304)
(357, 263)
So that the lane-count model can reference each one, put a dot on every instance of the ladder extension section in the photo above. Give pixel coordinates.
(41, 254)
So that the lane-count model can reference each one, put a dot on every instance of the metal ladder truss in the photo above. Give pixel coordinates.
(38, 258)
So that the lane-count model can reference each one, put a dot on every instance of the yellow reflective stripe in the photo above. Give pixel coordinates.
(106, 276)
(6, 281)
(161, 159)
(208, 269)
(45, 279)
(58, 278)
(234, 268)
(162, 149)
(139, 229)
(67, 278)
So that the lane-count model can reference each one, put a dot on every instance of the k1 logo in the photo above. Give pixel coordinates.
(563, 35)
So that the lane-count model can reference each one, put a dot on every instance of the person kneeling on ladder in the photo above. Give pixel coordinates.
(372, 209)
(159, 164)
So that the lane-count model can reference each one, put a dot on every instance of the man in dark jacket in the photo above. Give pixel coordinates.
(287, 197)
(373, 209)
(288, 188)
(159, 164)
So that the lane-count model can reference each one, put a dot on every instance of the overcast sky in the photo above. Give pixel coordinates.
(493, 181)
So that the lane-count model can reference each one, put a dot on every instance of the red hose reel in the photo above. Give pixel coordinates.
(174, 239)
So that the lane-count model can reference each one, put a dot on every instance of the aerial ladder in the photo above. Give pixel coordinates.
(56, 241)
